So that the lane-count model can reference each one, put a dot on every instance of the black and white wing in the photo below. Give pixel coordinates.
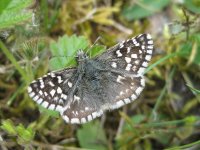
(130, 56)
(51, 90)
(111, 89)
(110, 81)
(111, 92)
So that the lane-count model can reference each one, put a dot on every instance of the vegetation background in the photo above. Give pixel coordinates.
(165, 116)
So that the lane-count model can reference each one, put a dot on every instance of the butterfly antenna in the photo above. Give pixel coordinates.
(58, 56)
(95, 42)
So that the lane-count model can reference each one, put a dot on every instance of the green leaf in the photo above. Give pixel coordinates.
(9, 127)
(134, 120)
(64, 51)
(25, 134)
(186, 50)
(96, 50)
(48, 111)
(92, 136)
(143, 8)
(192, 5)
(14, 12)
(194, 90)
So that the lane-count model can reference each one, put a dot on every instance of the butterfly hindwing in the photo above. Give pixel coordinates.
(109, 93)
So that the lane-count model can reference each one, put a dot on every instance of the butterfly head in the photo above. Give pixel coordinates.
(81, 56)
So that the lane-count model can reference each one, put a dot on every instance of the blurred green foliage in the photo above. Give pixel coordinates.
(144, 8)
(23, 135)
(92, 136)
(13, 12)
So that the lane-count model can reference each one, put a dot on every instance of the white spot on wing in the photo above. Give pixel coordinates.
(76, 98)
(52, 92)
(51, 83)
(99, 113)
(148, 57)
(119, 79)
(75, 120)
(52, 107)
(31, 94)
(83, 120)
(35, 98)
(52, 74)
(141, 70)
(89, 117)
(119, 54)
(42, 85)
(59, 108)
(45, 104)
(120, 103)
(144, 64)
(69, 84)
(114, 64)
(136, 62)
(127, 100)
(128, 67)
(142, 82)
(127, 59)
(39, 101)
(134, 56)
(121, 93)
(66, 118)
(138, 90)
(143, 47)
(59, 79)
(94, 115)
(149, 51)
(149, 36)
(134, 68)
(40, 92)
(59, 90)
(133, 97)
(121, 45)
(150, 46)
(29, 89)
(128, 50)
(150, 42)
(134, 40)
(64, 96)
(137, 44)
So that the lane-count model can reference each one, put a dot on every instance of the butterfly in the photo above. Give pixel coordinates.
(105, 82)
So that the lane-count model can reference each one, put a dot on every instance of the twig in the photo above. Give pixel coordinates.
(122, 28)
(121, 123)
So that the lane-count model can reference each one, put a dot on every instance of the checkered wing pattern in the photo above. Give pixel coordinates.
(111, 92)
(106, 82)
(131, 56)
(52, 89)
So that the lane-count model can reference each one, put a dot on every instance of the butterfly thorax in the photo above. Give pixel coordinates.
(82, 58)
(87, 67)
(91, 73)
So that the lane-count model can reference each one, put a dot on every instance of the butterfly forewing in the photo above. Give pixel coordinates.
(106, 82)
(130, 56)
(51, 90)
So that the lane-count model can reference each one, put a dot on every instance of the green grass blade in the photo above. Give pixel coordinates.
(13, 60)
